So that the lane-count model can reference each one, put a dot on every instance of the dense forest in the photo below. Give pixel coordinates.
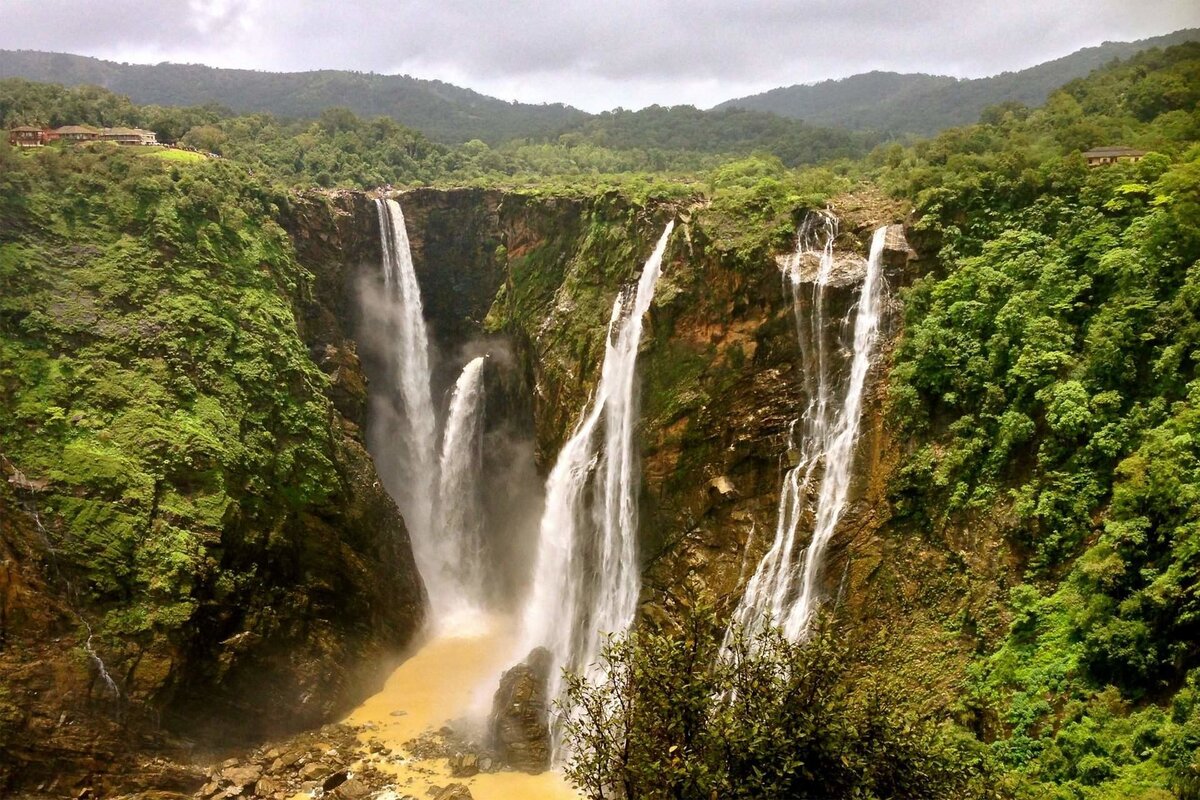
(1044, 384)
(898, 103)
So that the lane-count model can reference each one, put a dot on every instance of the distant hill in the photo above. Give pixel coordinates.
(925, 104)
(442, 111)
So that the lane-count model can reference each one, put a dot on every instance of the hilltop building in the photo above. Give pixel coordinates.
(26, 136)
(1110, 155)
(76, 133)
(129, 136)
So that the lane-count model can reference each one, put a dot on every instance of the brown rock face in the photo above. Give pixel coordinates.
(519, 725)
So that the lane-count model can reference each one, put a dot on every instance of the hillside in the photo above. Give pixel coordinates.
(196, 395)
(442, 111)
(925, 104)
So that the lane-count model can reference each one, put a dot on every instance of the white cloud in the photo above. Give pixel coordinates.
(594, 55)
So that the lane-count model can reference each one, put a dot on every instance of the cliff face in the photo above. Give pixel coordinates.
(532, 280)
(281, 604)
(720, 372)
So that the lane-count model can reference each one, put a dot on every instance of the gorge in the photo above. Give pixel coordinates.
(312, 491)
(551, 339)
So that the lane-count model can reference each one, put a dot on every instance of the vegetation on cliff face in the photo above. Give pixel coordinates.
(1048, 377)
(203, 504)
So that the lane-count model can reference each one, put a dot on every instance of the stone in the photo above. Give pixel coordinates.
(335, 780)
(519, 727)
(721, 485)
(464, 765)
(244, 776)
(314, 772)
(267, 787)
(455, 791)
(352, 789)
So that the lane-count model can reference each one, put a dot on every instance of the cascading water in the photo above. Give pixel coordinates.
(586, 582)
(784, 587)
(405, 326)
(459, 545)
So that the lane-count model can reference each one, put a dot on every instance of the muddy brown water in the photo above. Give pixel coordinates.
(450, 678)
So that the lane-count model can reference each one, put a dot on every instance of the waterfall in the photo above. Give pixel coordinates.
(459, 546)
(404, 324)
(586, 581)
(784, 587)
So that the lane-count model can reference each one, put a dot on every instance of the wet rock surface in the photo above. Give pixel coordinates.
(519, 724)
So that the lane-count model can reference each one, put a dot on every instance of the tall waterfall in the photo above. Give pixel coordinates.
(586, 580)
(784, 587)
(459, 545)
(405, 326)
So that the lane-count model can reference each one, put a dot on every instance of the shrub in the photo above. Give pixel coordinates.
(683, 714)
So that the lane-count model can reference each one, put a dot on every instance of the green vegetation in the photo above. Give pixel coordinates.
(181, 156)
(926, 104)
(678, 717)
(151, 370)
(1048, 374)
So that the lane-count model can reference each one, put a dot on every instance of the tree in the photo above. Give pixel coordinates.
(681, 715)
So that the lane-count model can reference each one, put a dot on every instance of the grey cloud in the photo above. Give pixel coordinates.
(594, 54)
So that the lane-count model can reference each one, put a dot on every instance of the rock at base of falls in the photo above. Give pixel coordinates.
(520, 724)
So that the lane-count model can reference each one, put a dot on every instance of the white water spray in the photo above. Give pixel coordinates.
(784, 588)
(459, 545)
(586, 581)
(405, 325)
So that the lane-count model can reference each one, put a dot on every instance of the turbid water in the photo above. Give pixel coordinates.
(438, 685)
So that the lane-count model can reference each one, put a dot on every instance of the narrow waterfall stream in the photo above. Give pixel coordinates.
(586, 581)
(413, 433)
(459, 512)
(785, 587)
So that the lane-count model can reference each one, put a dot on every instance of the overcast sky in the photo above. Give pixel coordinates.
(594, 55)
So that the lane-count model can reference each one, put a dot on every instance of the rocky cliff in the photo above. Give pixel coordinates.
(719, 371)
(224, 598)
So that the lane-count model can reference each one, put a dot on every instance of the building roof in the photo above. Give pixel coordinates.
(26, 129)
(1114, 151)
(75, 129)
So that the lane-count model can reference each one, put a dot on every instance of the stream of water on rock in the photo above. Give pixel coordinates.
(785, 587)
(586, 581)
(459, 512)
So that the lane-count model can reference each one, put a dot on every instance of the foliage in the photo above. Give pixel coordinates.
(1048, 379)
(151, 370)
(925, 104)
(337, 147)
(679, 716)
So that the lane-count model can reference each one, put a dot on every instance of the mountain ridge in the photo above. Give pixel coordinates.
(920, 103)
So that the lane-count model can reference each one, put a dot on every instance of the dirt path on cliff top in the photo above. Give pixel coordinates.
(450, 678)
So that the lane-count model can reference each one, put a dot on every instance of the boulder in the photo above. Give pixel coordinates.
(243, 777)
(455, 791)
(519, 726)
(464, 765)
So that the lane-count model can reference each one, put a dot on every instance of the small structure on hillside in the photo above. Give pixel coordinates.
(1100, 156)
(76, 133)
(26, 136)
(129, 136)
